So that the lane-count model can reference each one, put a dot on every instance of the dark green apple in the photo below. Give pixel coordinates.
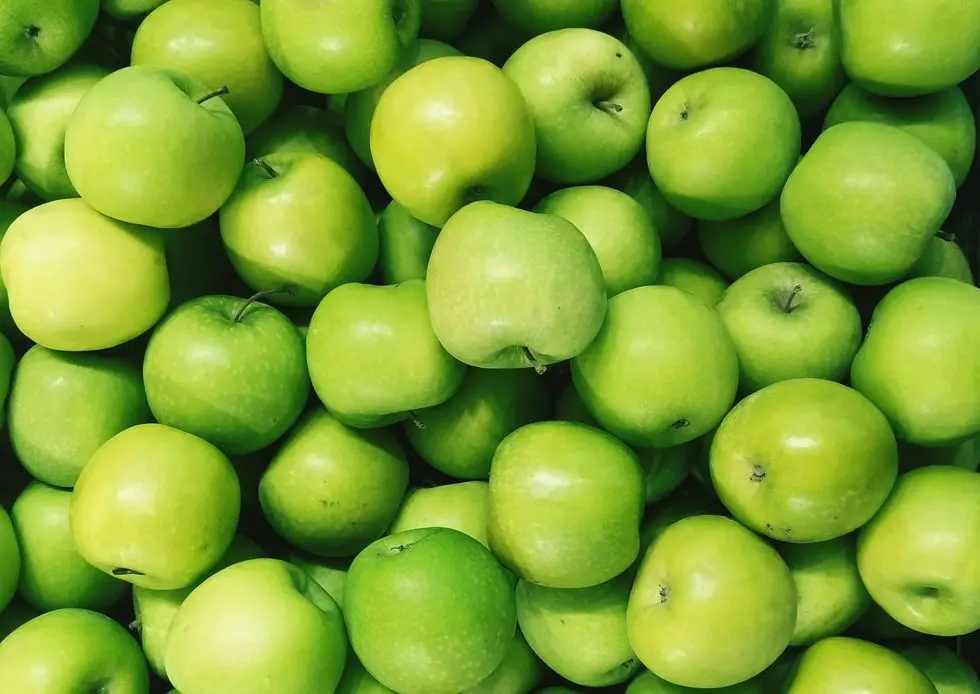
(948, 671)
(698, 279)
(10, 556)
(737, 246)
(634, 179)
(405, 244)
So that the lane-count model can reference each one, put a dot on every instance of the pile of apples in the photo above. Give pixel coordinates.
(489, 346)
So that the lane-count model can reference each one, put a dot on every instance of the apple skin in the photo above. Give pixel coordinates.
(405, 245)
(38, 38)
(330, 574)
(8, 147)
(634, 179)
(569, 407)
(943, 257)
(687, 502)
(878, 626)
(737, 246)
(7, 360)
(648, 683)
(845, 224)
(130, 9)
(662, 370)
(665, 469)
(710, 590)
(78, 281)
(445, 20)
(256, 622)
(357, 680)
(10, 564)
(406, 591)
(934, 404)
(558, 517)
(463, 161)
(541, 16)
(464, 506)
(965, 454)
(695, 278)
(947, 670)
(519, 673)
(782, 460)
(934, 589)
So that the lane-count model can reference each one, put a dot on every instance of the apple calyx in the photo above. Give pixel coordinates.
(266, 167)
(416, 421)
(664, 593)
(240, 313)
(610, 107)
(136, 626)
(680, 423)
(758, 473)
(122, 571)
(32, 31)
(539, 368)
(220, 91)
(804, 40)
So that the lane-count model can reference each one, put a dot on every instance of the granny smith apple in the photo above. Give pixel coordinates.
(434, 167)
(949, 672)
(662, 371)
(15, 614)
(405, 244)
(589, 99)
(40, 37)
(634, 179)
(445, 20)
(540, 16)
(710, 590)
(738, 246)
(498, 279)
(558, 516)
(845, 665)
(648, 683)
(80, 281)
(155, 506)
(9, 560)
(933, 323)
(943, 257)
(519, 672)
(373, 356)
(8, 148)
(721, 142)
(464, 506)
(406, 592)
(931, 587)
(9, 211)
(782, 460)
(459, 437)
(331, 574)
(152, 146)
(254, 623)
(568, 407)
(698, 279)
(72, 650)
(665, 469)
(865, 200)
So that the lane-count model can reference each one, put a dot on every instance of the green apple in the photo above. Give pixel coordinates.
(9, 560)
(406, 592)
(788, 320)
(489, 36)
(872, 233)
(565, 504)
(155, 506)
(464, 507)
(943, 257)
(373, 356)
(842, 664)
(934, 323)
(39, 37)
(738, 246)
(152, 146)
(946, 669)
(693, 277)
(540, 16)
(255, 623)
(721, 142)
(665, 469)
(942, 120)
(931, 587)
(196, 262)
(662, 371)
(332, 490)
(405, 244)
(570, 408)
(331, 574)
(620, 231)
(648, 683)
(230, 370)
(72, 650)
(460, 436)
(497, 281)
(298, 220)
(634, 179)
(445, 20)
(16, 613)
(909, 49)
(686, 502)
(589, 99)
(8, 148)
(357, 680)
(782, 460)
(433, 166)
(39, 114)
(80, 281)
(710, 590)
(9, 211)
(520, 671)
(219, 43)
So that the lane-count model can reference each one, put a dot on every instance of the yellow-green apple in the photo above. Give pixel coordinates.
(434, 166)
(332, 490)
(662, 370)
(39, 37)
(934, 323)
(445, 20)
(558, 516)
(331, 574)
(373, 356)
(634, 179)
(152, 146)
(949, 672)
(129, 9)
(519, 673)
(155, 506)
(589, 100)
(721, 142)
(737, 246)
(569, 407)
(253, 625)
(406, 592)
(9, 560)
(943, 257)
(464, 506)
(648, 683)
(405, 244)
(845, 665)
(665, 469)
(540, 16)
(710, 590)
(698, 279)
(782, 460)
(80, 281)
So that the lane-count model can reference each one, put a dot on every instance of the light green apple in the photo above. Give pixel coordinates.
(8, 148)
(460, 436)
(943, 257)
(782, 460)
(942, 120)
(300, 221)
(405, 244)
(434, 167)
(665, 469)
(9, 560)
(152, 146)
(519, 672)
(710, 590)
(540, 16)
(931, 587)
(373, 356)
(662, 371)
(407, 591)
(444, 20)
(721, 142)
(949, 672)
(558, 516)
(498, 279)
(16, 613)
(698, 279)
(934, 323)
(331, 574)
(254, 623)
(79, 281)
(634, 179)
(338, 47)
(464, 507)
(72, 650)
(738, 246)
(145, 487)
(39, 37)
(788, 320)
(843, 664)
(865, 200)
(589, 100)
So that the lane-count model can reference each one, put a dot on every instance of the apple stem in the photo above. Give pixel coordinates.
(220, 91)
(788, 306)
(419, 424)
(539, 368)
(804, 40)
(266, 167)
(946, 236)
(135, 625)
(610, 107)
(237, 318)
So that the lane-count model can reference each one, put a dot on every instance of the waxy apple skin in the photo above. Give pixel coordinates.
(36, 38)
(844, 664)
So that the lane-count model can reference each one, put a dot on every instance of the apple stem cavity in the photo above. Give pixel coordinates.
(790, 303)
(257, 296)
(122, 571)
(220, 91)
(266, 167)
(610, 107)
(539, 368)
